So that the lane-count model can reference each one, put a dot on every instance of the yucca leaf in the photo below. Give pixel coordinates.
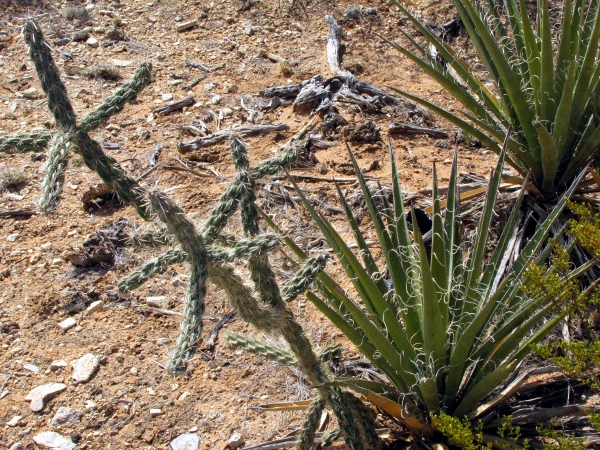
(430, 394)
(549, 156)
(547, 101)
(560, 131)
(582, 155)
(432, 323)
(564, 46)
(439, 263)
(482, 389)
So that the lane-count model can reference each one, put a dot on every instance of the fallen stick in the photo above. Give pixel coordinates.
(212, 338)
(168, 312)
(331, 180)
(174, 106)
(187, 87)
(406, 128)
(333, 46)
(223, 135)
(201, 66)
(186, 169)
(17, 213)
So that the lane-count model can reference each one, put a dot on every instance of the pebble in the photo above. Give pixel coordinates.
(31, 367)
(12, 237)
(47, 246)
(84, 367)
(90, 404)
(371, 11)
(113, 127)
(58, 364)
(235, 441)
(39, 395)
(50, 439)
(31, 93)
(189, 441)
(68, 323)
(92, 42)
(66, 417)
(158, 301)
(167, 97)
(82, 35)
(162, 341)
(154, 412)
(227, 113)
(14, 421)
(120, 62)
(94, 306)
(216, 99)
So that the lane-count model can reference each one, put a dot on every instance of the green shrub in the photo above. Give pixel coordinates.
(545, 84)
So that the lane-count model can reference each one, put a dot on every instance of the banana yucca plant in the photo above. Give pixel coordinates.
(545, 84)
(448, 327)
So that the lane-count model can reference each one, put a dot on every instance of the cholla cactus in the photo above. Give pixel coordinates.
(210, 252)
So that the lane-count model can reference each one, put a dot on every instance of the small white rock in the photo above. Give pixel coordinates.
(158, 301)
(94, 306)
(56, 261)
(167, 97)
(154, 412)
(31, 367)
(216, 99)
(58, 364)
(133, 371)
(14, 421)
(39, 395)
(85, 367)
(93, 42)
(236, 440)
(50, 439)
(31, 93)
(66, 417)
(47, 246)
(120, 62)
(189, 441)
(12, 237)
(90, 404)
(66, 324)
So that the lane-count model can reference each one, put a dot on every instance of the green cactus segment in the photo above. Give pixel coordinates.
(58, 100)
(331, 352)
(330, 437)
(152, 238)
(310, 425)
(152, 268)
(20, 143)
(109, 170)
(116, 102)
(55, 166)
(363, 421)
(193, 244)
(228, 203)
(261, 348)
(304, 277)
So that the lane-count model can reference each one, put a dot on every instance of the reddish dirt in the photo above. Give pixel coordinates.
(216, 397)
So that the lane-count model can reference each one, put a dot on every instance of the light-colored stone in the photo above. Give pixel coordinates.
(158, 301)
(235, 441)
(31, 367)
(154, 412)
(66, 417)
(189, 441)
(50, 439)
(94, 306)
(31, 93)
(167, 97)
(66, 324)
(14, 421)
(40, 395)
(92, 42)
(58, 364)
(84, 367)
(47, 246)
(216, 99)
(12, 237)
(121, 62)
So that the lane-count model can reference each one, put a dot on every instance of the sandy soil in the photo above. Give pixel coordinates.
(39, 287)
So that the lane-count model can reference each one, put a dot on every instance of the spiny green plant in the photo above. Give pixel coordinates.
(545, 84)
(209, 251)
(460, 432)
(454, 325)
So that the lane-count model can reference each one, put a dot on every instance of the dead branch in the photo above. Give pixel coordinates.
(174, 106)
(221, 136)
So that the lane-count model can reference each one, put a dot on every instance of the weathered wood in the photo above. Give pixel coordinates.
(175, 106)
(211, 342)
(187, 87)
(10, 213)
(346, 95)
(288, 91)
(223, 135)
(407, 128)
(314, 95)
(198, 65)
(187, 25)
(333, 46)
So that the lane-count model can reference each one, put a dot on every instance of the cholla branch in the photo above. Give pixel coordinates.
(331, 352)
(56, 165)
(193, 244)
(20, 143)
(152, 268)
(261, 348)
(330, 437)
(151, 238)
(311, 423)
(304, 277)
